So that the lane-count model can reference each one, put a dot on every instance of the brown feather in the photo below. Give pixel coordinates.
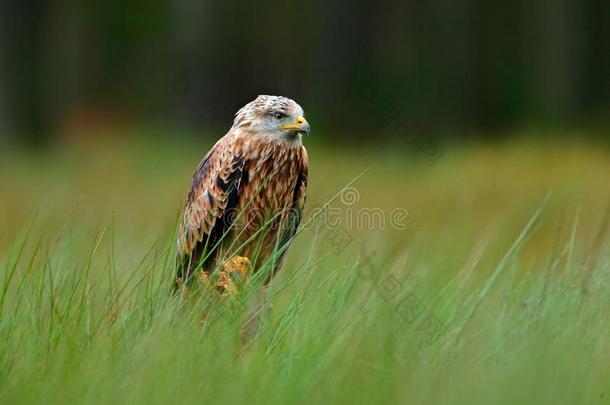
(244, 184)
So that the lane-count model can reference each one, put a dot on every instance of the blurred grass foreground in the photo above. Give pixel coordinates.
(480, 276)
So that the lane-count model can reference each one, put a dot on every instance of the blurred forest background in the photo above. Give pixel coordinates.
(372, 69)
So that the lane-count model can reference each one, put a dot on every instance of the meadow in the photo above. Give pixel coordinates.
(477, 277)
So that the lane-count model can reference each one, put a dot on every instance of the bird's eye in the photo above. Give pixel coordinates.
(279, 115)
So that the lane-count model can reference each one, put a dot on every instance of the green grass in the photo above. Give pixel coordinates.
(495, 291)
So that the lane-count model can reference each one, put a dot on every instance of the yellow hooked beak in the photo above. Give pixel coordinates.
(301, 126)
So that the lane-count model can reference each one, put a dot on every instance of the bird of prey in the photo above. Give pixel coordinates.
(247, 195)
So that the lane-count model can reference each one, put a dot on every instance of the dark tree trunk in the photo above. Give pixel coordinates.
(22, 43)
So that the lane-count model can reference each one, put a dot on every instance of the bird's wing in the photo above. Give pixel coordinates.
(300, 191)
(208, 212)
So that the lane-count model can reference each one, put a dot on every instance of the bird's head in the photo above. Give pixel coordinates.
(273, 116)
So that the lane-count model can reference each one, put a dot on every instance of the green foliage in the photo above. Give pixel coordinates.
(495, 292)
